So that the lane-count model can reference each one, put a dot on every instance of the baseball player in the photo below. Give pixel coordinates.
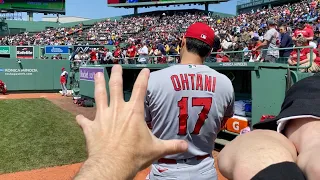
(63, 81)
(189, 101)
(3, 87)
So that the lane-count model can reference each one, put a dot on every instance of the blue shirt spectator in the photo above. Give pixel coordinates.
(161, 48)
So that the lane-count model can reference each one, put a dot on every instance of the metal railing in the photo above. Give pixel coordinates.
(245, 55)
(233, 56)
(166, 59)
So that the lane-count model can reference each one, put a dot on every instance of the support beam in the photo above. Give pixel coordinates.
(30, 16)
(206, 7)
(135, 10)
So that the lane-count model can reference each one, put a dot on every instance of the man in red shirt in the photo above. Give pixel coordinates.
(313, 4)
(305, 57)
(131, 53)
(3, 87)
(116, 55)
(222, 57)
(93, 56)
(309, 28)
(304, 30)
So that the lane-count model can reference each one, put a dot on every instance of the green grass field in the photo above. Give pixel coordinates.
(34, 133)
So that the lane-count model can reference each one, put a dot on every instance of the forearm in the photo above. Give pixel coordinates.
(261, 45)
(308, 59)
(105, 169)
(304, 61)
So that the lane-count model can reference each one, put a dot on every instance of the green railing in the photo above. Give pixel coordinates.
(234, 56)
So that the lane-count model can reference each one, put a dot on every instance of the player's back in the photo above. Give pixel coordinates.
(189, 102)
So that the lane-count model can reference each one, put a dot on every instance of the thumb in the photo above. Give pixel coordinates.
(83, 122)
(169, 147)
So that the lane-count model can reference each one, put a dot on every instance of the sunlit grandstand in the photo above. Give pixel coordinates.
(152, 28)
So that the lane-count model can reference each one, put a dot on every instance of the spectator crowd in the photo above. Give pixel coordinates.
(138, 39)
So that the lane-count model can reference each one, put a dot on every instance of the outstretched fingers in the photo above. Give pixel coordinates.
(100, 92)
(116, 85)
(140, 89)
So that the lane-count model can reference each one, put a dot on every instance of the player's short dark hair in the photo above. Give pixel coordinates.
(197, 47)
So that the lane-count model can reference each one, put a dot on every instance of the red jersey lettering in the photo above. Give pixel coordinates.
(199, 85)
(192, 80)
(208, 83)
(184, 81)
(176, 83)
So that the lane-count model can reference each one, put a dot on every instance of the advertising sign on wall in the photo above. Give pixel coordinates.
(25, 52)
(5, 51)
(87, 74)
(18, 72)
(56, 50)
(85, 49)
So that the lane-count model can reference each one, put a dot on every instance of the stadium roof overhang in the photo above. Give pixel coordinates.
(165, 3)
(45, 11)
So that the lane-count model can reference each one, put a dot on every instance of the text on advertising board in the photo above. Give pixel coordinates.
(85, 49)
(25, 52)
(256, 2)
(56, 50)
(87, 74)
(4, 49)
(18, 72)
(235, 64)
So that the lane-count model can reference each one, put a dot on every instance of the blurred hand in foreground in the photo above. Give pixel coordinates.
(119, 142)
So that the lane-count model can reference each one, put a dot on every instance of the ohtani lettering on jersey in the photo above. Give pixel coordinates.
(198, 82)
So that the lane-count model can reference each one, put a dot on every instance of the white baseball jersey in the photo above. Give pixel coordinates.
(189, 102)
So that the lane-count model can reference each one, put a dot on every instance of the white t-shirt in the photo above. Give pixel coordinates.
(77, 57)
(143, 50)
(109, 56)
(64, 73)
(314, 45)
(143, 54)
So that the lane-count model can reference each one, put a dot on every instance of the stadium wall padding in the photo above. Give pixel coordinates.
(39, 51)
(264, 83)
(32, 74)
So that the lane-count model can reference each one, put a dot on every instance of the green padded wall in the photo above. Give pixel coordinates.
(268, 91)
(263, 83)
(32, 75)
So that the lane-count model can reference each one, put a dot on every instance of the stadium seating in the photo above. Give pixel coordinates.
(236, 33)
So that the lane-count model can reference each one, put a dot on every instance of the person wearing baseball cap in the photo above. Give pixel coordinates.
(303, 30)
(271, 43)
(287, 147)
(189, 101)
